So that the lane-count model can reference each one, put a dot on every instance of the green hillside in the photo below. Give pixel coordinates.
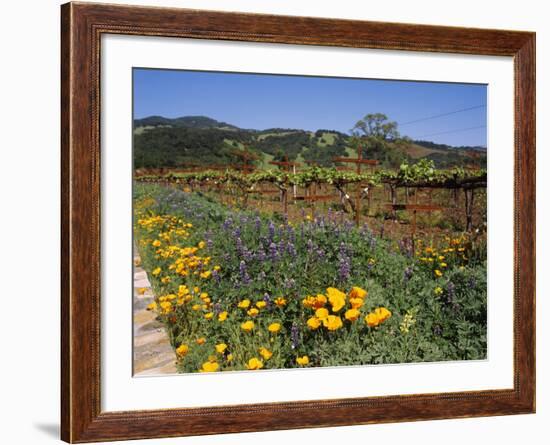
(202, 141)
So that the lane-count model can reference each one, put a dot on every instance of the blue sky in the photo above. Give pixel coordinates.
(261, 101)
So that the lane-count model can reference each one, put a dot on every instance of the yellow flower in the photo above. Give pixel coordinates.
(141, 290)
(152, 306)
(379, 315)
(254, 363)
(221, 347)
(182, 291)
(332, 322)
(229, 357)
(372, 320)
(206, 274)
(253, 312)
(166, 307)
(222, 316)
(209, 367)
(200, 341)
(209, 315)
(382, 313)
(356, 302)
(247, 326)
(320, 301)
(201, 245)
(313, 323)
(336, 298)
(265, 353)
(261, 304)
(274, 328)
(352, 314)
(443, 265)
(438, 273)
(244, 303)
(302, 361)
(157, 271)
(438, 291)
(314, 302)
(357, 292)
(196, 307)
(182, 350)
(321, 313)
(156, 243)
(280, 301)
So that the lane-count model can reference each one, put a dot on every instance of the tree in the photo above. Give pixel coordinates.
(376, 126)
(380, 138)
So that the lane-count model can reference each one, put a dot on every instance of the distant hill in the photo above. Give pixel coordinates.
(203, 141)
(183, 122)
(429, 144)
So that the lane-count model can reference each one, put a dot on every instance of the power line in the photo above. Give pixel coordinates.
(451, 131)
(443, 114)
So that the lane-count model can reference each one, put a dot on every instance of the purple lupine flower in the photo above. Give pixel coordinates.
(247, 254)
(372, 242)
(237, 232)
(216, 276)
(261, 276)
(406, 246)
(450, 292)
(320, 253)
(291, 249)
(227, 223)
(239, 246)
(291, 234)
(271, 230)
(289, 283)
(408, 273)
(260, 255)
(244, 273)
(267, 300)
(217, 308)
(294, 336)
(282, 248)
(209, 241)
(344, 268)
(273, 251)
(344, 263)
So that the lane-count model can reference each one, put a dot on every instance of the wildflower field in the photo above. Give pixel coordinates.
(240, 289)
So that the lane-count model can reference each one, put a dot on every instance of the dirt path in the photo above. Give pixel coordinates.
(153, 354)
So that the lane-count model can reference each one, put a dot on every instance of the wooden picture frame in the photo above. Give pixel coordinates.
(82, 26)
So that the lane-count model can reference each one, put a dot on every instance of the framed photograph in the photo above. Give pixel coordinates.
(274, 222)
